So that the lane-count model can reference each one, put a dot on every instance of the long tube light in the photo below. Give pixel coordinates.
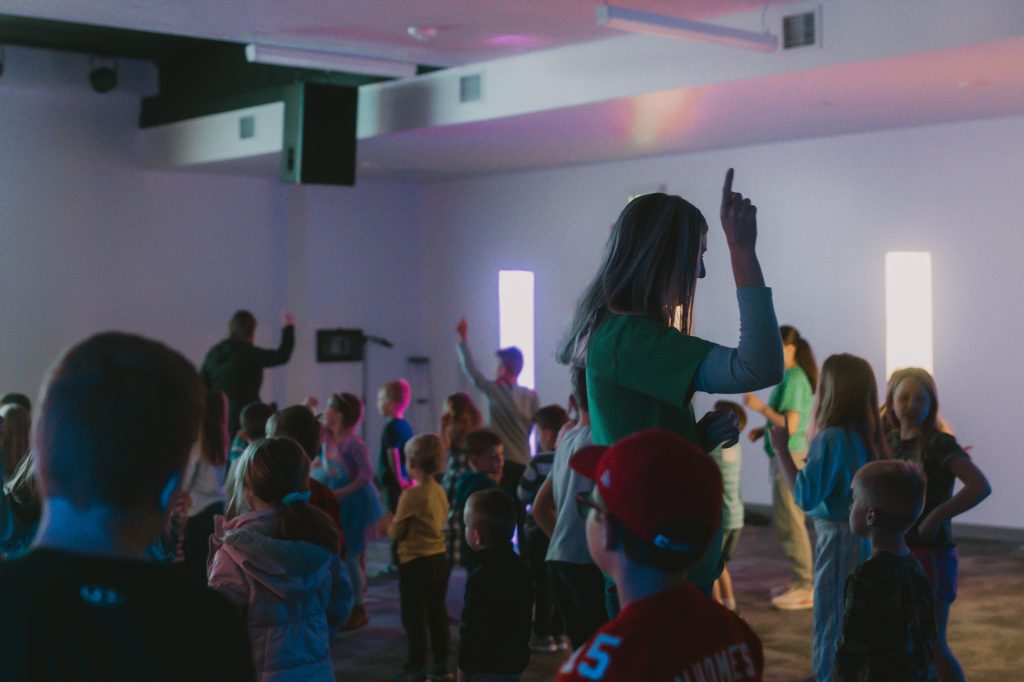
(908, 310)
(327, 61)
(636, 21)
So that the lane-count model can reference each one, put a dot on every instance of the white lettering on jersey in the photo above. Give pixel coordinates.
(595, 661)
(731, 664)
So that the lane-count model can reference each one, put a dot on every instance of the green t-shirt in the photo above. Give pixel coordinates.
(639, 376)
(794, 394)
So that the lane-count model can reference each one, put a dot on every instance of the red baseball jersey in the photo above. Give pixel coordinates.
(676, 636)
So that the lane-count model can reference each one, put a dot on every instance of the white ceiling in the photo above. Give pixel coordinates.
(881, 64)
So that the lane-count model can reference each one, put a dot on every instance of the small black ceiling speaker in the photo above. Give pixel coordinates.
(103, 77)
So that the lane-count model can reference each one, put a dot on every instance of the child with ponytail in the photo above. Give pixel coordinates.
(848, 435)
(279, 564)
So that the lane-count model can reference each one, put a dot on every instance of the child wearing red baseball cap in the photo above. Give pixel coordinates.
(656, 505)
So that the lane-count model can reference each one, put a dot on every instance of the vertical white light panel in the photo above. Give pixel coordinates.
(515, 314)
(908, 310)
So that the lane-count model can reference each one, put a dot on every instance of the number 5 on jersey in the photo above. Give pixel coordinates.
(592, 663)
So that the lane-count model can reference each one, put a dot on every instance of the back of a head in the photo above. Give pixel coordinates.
(242, 326)
(16, 438)
(551, 417)
(425, 452)
(298, 423)
(897, 488)
(494, 515)
(848, 398)
(399, 393)
(511, 359)
(277, 472)
(650, 267)
(102, 401)
(804, 354)
(16, 399)
(477, 442)
(254, 418)
(349, 406)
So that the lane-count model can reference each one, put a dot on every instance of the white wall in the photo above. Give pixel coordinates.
(829, 210)
(90, 241)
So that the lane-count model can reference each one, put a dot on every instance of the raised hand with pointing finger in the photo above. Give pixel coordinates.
(739, 222)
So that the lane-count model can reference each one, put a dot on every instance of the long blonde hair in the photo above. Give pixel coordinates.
(848, 398)
(650, 267)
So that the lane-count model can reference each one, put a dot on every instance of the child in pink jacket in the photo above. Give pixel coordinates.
(279, 563)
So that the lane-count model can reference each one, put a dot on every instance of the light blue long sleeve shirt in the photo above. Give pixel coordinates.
(823, 486)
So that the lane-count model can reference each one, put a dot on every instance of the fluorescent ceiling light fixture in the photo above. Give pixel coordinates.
(636, 21)
(328, 61)
(515, 318)
(908, 310)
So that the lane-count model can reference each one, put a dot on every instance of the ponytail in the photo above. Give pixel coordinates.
(278, 474)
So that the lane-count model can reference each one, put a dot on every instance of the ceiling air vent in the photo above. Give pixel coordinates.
(799, 30)
(470, 88)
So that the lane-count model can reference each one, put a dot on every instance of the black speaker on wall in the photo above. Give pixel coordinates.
(319, 134)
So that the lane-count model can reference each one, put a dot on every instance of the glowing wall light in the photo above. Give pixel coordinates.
(515, 314)
(908, 310)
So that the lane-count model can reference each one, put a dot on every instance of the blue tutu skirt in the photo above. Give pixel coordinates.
(359, 512)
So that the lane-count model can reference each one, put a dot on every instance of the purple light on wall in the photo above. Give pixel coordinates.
(513, 40)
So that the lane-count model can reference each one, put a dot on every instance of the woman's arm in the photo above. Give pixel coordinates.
(544, 512)
(976, 488)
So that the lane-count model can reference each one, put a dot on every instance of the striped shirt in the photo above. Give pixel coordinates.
(510, 408)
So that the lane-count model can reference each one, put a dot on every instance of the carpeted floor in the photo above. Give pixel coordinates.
(986, 628)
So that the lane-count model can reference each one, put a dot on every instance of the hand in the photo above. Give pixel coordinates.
(928, 530)
(462, 329)
(289, 320)
(756, 434)
(720, 427)
(779, 436)
(311, 402)
(739, 218)
(753, 402)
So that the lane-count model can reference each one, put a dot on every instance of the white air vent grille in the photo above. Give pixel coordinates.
(470, 88)
(246, 127)
(799, 30)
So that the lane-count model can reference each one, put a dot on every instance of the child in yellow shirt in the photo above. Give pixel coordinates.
(418, 530)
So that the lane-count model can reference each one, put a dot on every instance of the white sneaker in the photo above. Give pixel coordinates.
(780, 589)
(796, 599)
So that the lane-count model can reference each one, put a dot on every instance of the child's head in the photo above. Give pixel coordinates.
(657, 502)
(393, 398)
(741, 414)
(579, 388)
(103, 401)
(424, 455)
(549, 420)
(300, 424)
(460, 417)
(277, 477)
(489, 518)
(651, 265)
(848, 398)
(15, 427)
(16, 399)
(254, 418)
(344, 411)
(213, 434)
(888, 496)
(485, 453)
(797, 351)
(510, 364)
(242, 326)
(912, 399)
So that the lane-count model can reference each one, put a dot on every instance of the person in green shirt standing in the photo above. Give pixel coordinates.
(790, 406)
(632, 330)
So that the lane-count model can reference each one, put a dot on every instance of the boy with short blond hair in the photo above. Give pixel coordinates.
(889, 629)
(418, 531)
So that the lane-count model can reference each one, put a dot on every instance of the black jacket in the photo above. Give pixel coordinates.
(497, 614)
(236, 368)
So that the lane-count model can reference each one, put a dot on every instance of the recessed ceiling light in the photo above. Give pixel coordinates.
(422, 33)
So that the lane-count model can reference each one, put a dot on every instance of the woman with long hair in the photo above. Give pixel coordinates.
(790, 406)
(632, 328)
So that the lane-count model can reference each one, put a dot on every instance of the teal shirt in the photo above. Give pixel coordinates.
(640, 376)
(794, 394)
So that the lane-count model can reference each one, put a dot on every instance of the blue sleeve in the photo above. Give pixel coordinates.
(817, 481)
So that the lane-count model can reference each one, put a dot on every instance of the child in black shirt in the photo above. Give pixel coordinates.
(889, 630)
(498, 608)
